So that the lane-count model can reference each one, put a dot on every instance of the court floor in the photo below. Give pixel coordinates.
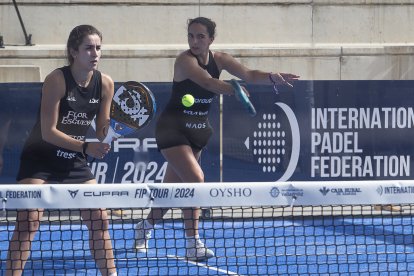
(300, 246)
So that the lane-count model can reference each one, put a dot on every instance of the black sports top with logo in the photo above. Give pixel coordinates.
(77, 109)
(180, 125)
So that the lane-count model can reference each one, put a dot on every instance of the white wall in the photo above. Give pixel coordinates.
(319, 39)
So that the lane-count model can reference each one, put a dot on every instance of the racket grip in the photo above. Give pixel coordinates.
(251, 110)
(110, 136)
(243, 98)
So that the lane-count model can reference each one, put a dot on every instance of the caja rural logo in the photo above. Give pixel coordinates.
(275, 142)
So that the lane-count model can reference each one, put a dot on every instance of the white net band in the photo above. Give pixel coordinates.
(206, 194)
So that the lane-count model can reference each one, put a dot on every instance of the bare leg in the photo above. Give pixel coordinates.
(156, 214)
(183, 167)
(191, 215)
(26, 227)
(27, 224)
(100, 242)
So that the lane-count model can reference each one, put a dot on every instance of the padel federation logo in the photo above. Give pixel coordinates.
(394, 190)
(380, 190)
(274, 192)
(276, 142)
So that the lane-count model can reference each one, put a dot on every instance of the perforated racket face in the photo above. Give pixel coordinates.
(133, 105)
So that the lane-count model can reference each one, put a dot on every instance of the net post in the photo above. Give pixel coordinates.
(1, 41)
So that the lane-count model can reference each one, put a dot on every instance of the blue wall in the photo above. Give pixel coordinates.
(361, 130)
(134, 159)
(318, 130)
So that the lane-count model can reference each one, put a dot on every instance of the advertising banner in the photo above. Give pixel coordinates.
(321, 130)
(133, 159)
(316, 131)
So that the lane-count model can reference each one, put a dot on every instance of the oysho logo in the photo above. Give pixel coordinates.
(276, 141)
(230, 192)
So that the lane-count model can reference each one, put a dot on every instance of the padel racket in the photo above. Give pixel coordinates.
(133, 107)
(243, 98)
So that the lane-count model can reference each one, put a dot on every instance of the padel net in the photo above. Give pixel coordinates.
(254, 228)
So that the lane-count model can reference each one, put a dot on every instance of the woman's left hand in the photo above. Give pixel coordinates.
(284, 78)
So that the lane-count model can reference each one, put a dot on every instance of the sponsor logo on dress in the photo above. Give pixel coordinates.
(71, 97)
(76, 118)
(93, 101)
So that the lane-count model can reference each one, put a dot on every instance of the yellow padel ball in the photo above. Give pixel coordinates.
(187, 100)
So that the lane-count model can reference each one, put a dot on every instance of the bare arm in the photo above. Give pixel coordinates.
(52, 92)
(102, 118)
(186, 67)
(234, 67)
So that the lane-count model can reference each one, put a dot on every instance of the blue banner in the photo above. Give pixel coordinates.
(321, 130)
(318, 130)
(133, 159)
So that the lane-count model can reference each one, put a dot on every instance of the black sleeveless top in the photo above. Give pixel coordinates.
(203, 97)
(180, 125)
(77, 109)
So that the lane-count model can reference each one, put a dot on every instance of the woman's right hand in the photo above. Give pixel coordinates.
(244, 91)
(97, 149)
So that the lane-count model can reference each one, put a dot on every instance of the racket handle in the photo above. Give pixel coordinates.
(243, 98)
(251, 110)
(110, 136)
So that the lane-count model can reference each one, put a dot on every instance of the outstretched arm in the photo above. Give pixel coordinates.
(186, 67)
(234, 67)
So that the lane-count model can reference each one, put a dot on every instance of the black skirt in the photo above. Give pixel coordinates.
(79, 171)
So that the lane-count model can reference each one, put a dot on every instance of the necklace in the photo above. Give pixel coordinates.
(81, 83)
